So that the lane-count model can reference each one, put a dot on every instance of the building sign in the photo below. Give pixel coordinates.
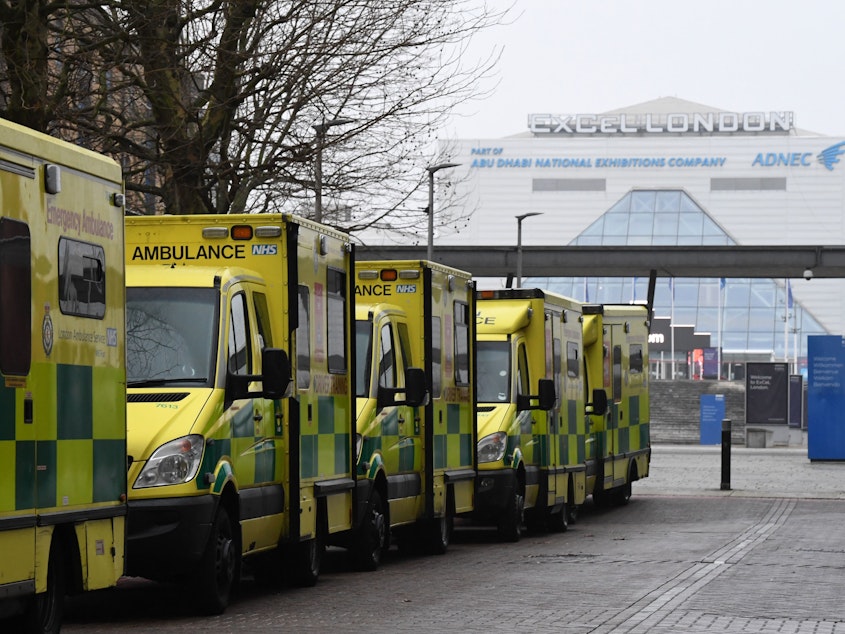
(653, 123)
(766, 393)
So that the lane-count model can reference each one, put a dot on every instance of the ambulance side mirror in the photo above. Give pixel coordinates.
(416, 393)
(276, 373)
(598, 406)
(275, 378)
(545, 397)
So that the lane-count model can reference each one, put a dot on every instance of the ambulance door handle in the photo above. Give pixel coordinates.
(27, 411)
(257, 416)
(401, 418)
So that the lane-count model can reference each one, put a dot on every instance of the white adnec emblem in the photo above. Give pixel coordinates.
(47, 331)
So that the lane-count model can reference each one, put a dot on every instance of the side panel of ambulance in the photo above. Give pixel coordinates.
(63, 399)
(531, 429)
(616, 354)
(232, 461)
(415, 401)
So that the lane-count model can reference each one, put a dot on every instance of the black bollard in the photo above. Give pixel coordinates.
(726, 454)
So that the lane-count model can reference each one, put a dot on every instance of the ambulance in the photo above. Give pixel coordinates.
(63, 399)
(415, 391)
(531, 425)
(616, 362)
(240, 403)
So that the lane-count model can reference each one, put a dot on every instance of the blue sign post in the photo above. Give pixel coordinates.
(826, 397)
(712, 413)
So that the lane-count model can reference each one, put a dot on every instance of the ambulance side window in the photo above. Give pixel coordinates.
(262, 314)
(556, 365)
(240, 360)
(386, 362)
(617, 373)
(572, 362)
(523, 385)
(16, 300)
(82, 279)
(636, 358)
(404, 344)
(303, 340)
(436, 356)
(461, 312)
(336, 320)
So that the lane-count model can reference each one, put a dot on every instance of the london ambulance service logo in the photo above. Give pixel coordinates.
(830, 156)
(47, 331)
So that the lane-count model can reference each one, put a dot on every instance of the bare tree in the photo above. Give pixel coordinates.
(209, 104)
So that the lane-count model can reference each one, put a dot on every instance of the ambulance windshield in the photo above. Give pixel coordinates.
(171, 336)
(493, 371)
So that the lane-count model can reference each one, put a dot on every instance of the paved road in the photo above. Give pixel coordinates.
(682, 556)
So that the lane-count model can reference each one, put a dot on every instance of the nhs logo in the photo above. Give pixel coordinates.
(264, 249)
(406, 288)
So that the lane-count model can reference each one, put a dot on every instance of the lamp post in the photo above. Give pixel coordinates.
(519, 220)
(431, 169)
(321, 129)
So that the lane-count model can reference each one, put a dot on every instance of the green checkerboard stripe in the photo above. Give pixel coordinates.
(325, 450)
(74, 450)
(453, 449)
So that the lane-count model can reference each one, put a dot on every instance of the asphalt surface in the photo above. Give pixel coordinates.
(684, 555)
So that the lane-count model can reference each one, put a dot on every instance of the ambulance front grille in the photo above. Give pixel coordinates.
(164, 397)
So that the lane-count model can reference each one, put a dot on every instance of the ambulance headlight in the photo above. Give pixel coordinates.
(492, 448)
(174, 462)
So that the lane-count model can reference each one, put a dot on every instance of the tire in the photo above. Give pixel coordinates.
(623, 495)
(559, 521)
(438, 534)
(372, 539)
(510, 523)
(44, 611)
(307, 559)
(572, 513)
(219, 566)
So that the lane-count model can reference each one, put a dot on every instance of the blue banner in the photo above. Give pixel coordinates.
(712, 412)
(825, 397)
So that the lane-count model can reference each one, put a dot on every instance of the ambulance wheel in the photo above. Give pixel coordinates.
(559, 521)
(308, 557)
(439, 533)
(510, 523)
(623, 494)
(572, 513)
(371, 541)
(44, 611)
(219, 565)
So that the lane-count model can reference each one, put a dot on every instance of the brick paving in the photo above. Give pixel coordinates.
(682, 556)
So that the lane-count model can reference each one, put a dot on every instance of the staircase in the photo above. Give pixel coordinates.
(675, 408)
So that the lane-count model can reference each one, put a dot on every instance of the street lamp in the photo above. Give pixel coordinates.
(321, 129)
(431, 170)
(519, 220)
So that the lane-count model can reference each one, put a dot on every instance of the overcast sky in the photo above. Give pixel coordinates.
(591, 56)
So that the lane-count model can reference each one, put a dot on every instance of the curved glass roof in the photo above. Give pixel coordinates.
(753, 311)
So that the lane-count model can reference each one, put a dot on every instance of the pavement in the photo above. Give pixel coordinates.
(779, 472)
(766, 554)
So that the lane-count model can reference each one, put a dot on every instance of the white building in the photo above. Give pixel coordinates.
(670, 172)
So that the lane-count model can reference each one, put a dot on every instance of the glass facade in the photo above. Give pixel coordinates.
(754, 319)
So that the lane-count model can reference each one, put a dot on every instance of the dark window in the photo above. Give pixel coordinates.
(461, 312)
(82, 279)
(617, 373)
(336, 320)
(436, 356)
(15, 298)
(303, 339)
(387, 362)
(240, 352)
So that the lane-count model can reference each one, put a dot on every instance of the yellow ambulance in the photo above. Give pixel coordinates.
(415, 392)
(530, 423)
(240, 404)
(63, 400)
(616, 357)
